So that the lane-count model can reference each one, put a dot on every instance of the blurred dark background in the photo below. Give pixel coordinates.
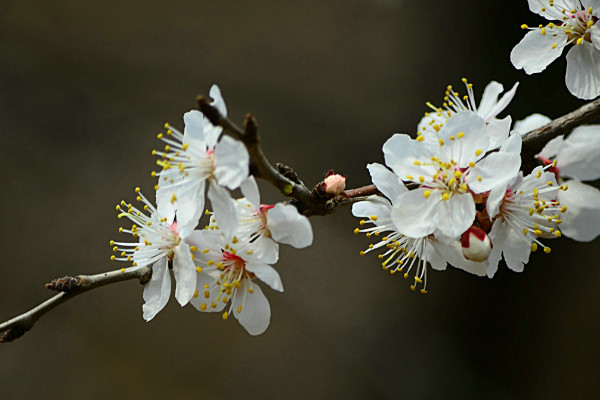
(84, 88)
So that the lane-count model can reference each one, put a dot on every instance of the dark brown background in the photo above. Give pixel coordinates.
(84, 88)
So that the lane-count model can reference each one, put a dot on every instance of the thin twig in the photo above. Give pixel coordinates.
(68, 287)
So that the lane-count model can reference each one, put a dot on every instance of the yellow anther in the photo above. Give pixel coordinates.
(557, 233)
(579, 41)
(420, 138)
(417, 162)
(479, 178)
(478, 152)
(451, 181)
(471, 164)
(356, 231)
(549, 183)
(362, 253)
(362, 222)
(460, 135)
(445, 196)
(112, 258)
(457, 174)
(419, 280)
(554, 45)
(198, 269)
(533, 247)
(225, 315)
(413, 288)
(464, 187)
(235, 239)
(203, 306)
(239, 309)
(373, 218)
(441, 142)
(206, 294)
(590, 10)
(563, 209)
(436, 127)
(427, 193)
(159, 136)
(406, 275)
(547, 250)
(543, 30)
(409, 177)
(250, 290)
(423, 291)
(421, 179)
(525, 231)
(196, 294)
(169, 132)
(122, 270)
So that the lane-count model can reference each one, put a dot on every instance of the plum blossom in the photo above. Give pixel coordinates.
(267, 225)
(575, 24)
(159, 242)
(577, 158)
(226, 275)
(447, 175)
(194, 159)
(527, 211)
(488, 109)
(400, 253)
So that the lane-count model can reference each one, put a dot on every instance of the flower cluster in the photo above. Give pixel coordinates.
(471, 205)
(215, 268)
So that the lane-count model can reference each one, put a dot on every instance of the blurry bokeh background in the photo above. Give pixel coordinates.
(84, 88)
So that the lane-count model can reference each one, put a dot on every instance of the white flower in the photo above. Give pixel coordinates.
(191, 160)
(159, 242)
(528, 210)
(400, 253)
(544, 44)
(447, 174)
(266, 225)
(577, 157)
(488, 109)
(225, 275)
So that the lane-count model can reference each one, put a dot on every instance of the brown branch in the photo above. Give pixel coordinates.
(68, 287)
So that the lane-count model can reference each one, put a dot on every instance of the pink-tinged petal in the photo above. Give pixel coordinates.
(498, 130)
(288, 226)
(542, 7)
(231, 162)
(252, 310)
(158, 290)
(530, 123)
(534, 52)
(500, 105)
(579, 156)
(513, 144)
(413, 214)
(401, 152)
(224, 208)
(455, 215)
(267, 274)
(250, 191)
(583, 71)
(386, 181)
(581, 222)
(594, 32)
(185, 273)
(464, 137)
(495, 169)
(194, 125)
(217, 100)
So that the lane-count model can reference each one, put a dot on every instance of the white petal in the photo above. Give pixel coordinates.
(255, 313)
(452, 253)
(400, 153)
(516, 250)
(165, 207)
(224, 208)
(250, 191)
(386, 181)
(267, 274)
(374, 205)
(474, 138)
(218, 102)
(489, 98)
(185, 274)
(231, 162)
(495, 169)
(579, 157)
(583, 71)
(530, 123)
(594, 32)
(498, 130)
(552, 148)
(266, 249)
(204, 279)
(541, 7)
(582, 219)
(158, 290)
(194, 125)
(190, 206)
(513, 144)
(534, 52)
(500, 105)
(494, 200)
(288, 226)
(413, 214)
(436, 261)
(455, 215)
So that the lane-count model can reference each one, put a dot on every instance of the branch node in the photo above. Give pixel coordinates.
(288, 172)
(66, 284)
(12, 334)
(210, 112)
(251, 129)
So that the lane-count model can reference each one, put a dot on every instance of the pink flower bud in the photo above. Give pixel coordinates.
(476, 245)
(334, 184)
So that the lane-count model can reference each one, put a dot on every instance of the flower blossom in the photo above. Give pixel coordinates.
(195, 158)
(226, 273)
(576, 24)
(488, 109)
(447, 175)
(159, 242)
(267, 225)
(400, 253)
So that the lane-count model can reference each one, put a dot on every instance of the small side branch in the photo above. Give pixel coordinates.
(68, 287)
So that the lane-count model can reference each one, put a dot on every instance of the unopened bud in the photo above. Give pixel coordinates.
(334, 184)
(476, 245)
